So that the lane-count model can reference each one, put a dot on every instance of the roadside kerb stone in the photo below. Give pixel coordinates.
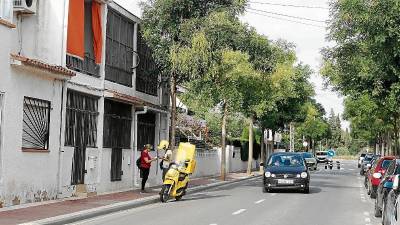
(103, 210)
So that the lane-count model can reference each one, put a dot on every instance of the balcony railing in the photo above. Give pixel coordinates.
(87, 66)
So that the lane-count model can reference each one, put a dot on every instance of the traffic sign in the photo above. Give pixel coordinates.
(331, 153)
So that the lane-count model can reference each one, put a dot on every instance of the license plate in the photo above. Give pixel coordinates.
(283, 181)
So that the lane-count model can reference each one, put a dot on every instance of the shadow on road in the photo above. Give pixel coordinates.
(202, 196)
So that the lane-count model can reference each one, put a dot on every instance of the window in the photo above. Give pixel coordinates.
(6, 10)
(81, 120)
(119, 48)
(116, 164)
(36, 121)
(87, 65)
(147, 73)
(117, 124)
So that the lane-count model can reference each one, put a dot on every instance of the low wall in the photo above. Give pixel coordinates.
(208, 164)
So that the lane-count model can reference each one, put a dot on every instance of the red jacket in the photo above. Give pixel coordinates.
(143, 163)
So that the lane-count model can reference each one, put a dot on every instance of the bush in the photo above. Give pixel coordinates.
(342, 151)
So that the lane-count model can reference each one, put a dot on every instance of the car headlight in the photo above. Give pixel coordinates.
(303, 175)
(267, 174)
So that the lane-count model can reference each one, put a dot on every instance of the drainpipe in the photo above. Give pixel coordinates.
(60, 150)
(135, 147)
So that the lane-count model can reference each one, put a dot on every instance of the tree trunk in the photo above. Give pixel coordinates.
(396, 137)
(173, 113)
(250, 160)
(223, 140)
(262, 150)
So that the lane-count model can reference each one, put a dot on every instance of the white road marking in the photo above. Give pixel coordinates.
(351, 169)
(259, 201)
(238, 212)
(273, 194)
(366, 213)
(367, 220)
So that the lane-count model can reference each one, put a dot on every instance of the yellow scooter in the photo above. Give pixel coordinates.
(177, 178)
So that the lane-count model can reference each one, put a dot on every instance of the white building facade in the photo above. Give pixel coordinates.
(69, 124)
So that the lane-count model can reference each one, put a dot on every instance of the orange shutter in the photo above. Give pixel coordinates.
(97, 31)
(76, 28)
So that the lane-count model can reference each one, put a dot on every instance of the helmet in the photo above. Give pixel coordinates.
(163, 144)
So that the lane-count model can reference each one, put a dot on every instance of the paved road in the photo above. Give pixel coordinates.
(336, 198)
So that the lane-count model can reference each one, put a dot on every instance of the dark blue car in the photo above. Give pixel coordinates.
(385, 186)
(286, 170)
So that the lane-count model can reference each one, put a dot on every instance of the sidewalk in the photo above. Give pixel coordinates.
(67, 206)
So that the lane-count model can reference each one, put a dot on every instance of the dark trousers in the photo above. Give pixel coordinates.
(165, 170)
(145, 175)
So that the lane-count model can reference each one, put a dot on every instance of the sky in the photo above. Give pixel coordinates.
(267, 17)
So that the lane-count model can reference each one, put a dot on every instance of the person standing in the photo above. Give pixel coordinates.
(166, 160)
(145, 164)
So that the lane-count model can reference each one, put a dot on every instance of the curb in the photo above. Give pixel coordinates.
(103, 210)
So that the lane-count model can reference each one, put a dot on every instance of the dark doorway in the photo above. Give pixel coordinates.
(146, 129)
(81, 130)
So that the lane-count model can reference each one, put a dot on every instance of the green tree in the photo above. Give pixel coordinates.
(171, 29)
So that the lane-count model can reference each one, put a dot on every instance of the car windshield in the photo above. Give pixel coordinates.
(386, 163)
(368, 158)
(321, 153)
(286, 160)
(307, 155)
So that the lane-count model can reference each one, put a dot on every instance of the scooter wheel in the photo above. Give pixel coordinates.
(164, 195)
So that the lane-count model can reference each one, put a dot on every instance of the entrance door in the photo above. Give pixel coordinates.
(81, 130)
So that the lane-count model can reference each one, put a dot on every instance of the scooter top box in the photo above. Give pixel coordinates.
(186, 153)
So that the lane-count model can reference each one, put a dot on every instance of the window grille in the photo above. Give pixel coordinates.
(117, 124)
(146, 72)
(116, 164)
(81, 118)
(119, 48)
(36, 124)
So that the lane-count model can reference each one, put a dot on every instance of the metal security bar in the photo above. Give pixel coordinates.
(146, 129)
(116, 164)
(36, 121)
(119, 48)
(81, 120)
(146, 72)
(87, 66)
(117, 124)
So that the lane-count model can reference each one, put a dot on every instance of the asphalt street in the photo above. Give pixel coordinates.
(337, 197)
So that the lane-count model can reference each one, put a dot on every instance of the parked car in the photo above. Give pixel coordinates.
(286, 170)
(385, 186)
(391, 209)
(367, 173)
(366, 163)
(376, 174)
(360, 159)
(311, 161)
(321, 156)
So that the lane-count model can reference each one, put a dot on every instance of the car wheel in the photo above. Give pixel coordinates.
(377, 211)
(373, 194)
(307, 190)
(264, 190)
